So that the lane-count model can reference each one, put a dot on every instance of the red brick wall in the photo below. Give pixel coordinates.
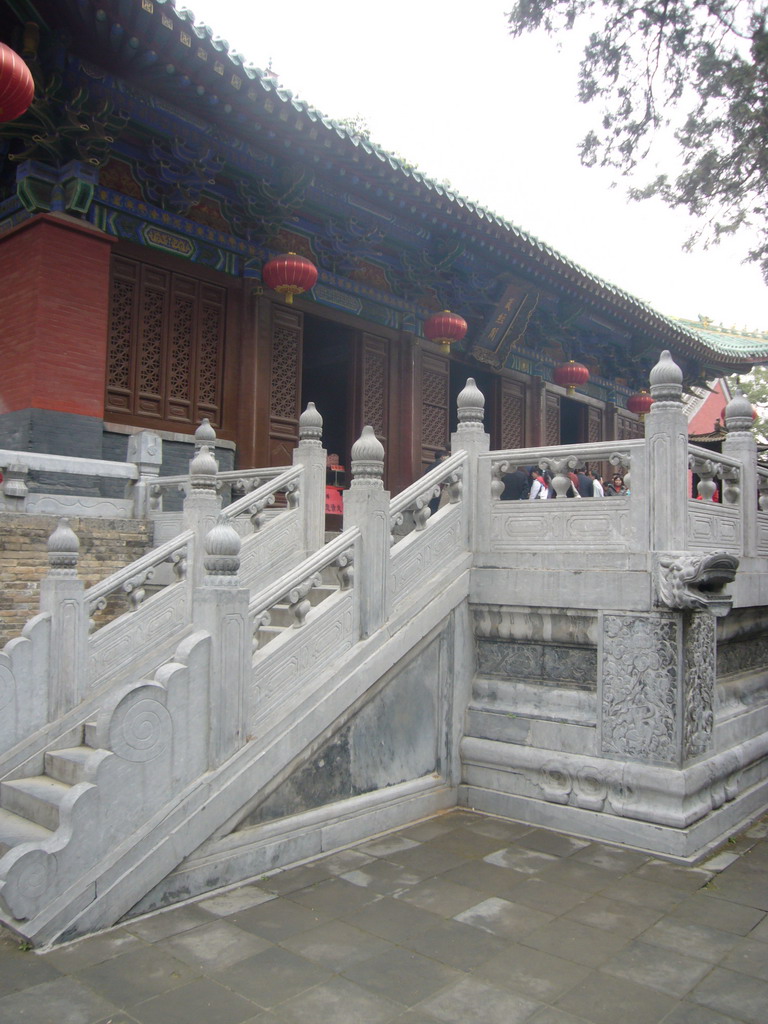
(53, 335)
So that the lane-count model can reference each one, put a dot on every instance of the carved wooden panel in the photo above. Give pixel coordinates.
(435, 397)
(629, 428)
(285, 384)
(594, 425)
(375, 386)
(512, 415)
(153, 297)
(166, 345)
(122, 328)
(552, 424)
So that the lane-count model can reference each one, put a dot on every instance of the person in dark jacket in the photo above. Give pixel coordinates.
(584, 485)
(516, 485)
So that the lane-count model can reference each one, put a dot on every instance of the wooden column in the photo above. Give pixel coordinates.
(537, 419)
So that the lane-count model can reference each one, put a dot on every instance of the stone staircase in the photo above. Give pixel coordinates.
(137, 741)
(286, 695)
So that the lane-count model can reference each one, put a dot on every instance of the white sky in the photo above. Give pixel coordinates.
(441, 83)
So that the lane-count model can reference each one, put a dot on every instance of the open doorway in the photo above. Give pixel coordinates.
(573, 422)
(326, 368)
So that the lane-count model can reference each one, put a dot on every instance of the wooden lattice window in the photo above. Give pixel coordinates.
(630, 428)
(435, 387)
(552, 434)
(166, 345)
(512, 426)
(594, 425)
(376, 386)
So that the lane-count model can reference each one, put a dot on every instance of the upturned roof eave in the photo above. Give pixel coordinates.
(372, 159)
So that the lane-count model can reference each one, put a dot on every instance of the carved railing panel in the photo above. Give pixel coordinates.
(422, 555)
(601, 526)
(272, 548)
(294, 588)
(612, 523)
(413, 507)
(714, 527)
(135, 639)
(284, 669)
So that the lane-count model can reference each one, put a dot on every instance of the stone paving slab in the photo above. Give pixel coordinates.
(461, 919)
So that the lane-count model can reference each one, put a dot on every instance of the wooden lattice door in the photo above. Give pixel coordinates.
(285, 390)
(511, 419)
(552, 422)
(435, 400)
(166, 346)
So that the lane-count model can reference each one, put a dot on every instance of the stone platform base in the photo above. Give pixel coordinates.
(252, 852)
(684, 846)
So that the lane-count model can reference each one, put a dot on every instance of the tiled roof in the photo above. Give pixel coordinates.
(728, 339)
(730, 344)
(147, 18)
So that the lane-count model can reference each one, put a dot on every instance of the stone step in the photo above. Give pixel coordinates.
(15, 830)
(268, 633)
(37, 799)
(72, 764)
(509, 727)
(523, 698)
(281, 616)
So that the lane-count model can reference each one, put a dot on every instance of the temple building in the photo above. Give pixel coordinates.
(213, 298)
(154, 176)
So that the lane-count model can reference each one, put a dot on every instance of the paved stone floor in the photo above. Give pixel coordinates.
(463, 918)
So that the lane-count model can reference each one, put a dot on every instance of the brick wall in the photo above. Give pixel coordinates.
(55, 274)
(106, 545)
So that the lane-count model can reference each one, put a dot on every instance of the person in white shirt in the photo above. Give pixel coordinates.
(539, 485)
(597, 483)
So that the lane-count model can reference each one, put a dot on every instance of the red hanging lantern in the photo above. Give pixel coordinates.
(445, 327)
(289, 275)
(571, 375)
(640, 403)
(17, 89)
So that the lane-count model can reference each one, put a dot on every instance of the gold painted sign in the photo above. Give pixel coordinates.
(507, 324)
(161, 239)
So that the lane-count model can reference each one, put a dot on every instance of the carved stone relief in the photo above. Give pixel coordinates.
(546, 663)
(640, 682)
(699, 697)
(742, 655)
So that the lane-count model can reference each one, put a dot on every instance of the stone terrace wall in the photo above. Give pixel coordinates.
(105, 546)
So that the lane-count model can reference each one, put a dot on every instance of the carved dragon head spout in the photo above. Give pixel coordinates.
(687, 580)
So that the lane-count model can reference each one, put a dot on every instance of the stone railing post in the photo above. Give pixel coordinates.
(657, 666)
(366, 505)
(740, 444)
(14, 487)
(312, 456)
(62, 596)
(472, 438)
(221, 609)
(201, 505)
(666, 434)
(145, 449)
(205, 435)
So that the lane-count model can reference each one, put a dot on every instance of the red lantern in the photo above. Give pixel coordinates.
(640, 403)
(17, 89)
(444, 328)
(289, 275)
(571, 375)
